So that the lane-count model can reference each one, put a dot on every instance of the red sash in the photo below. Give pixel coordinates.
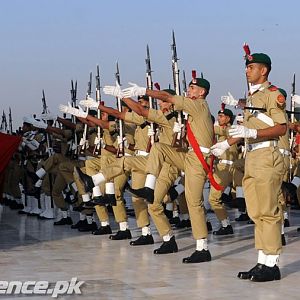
(208, 168)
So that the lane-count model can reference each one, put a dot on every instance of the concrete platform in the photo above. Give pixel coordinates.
(33, 249)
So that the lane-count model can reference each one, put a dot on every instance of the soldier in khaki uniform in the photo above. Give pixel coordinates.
(200, 125)
(108, 157)
(264, 167)
(133, 165)
(223, 172)
(165, 119)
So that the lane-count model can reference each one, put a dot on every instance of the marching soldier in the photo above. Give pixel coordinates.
(264, 167)
(200, 131)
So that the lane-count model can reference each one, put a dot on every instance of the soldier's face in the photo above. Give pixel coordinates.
(164, 106)
(223, 119)
(195, 92)
(144, 103)
(104, 116)
(256, 73)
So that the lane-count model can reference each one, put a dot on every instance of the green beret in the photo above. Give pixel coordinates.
(226, 112)
(201, 82)
(283, 92)
(259, 58)
(170, 91)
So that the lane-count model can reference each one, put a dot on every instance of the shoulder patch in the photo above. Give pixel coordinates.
(272, 88)
(280, 101)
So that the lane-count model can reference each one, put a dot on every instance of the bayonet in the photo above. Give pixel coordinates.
(97, 148)
(10, 121)
(121, 151)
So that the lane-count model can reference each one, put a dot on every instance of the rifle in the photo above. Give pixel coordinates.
(184, 84)
(177, 138)
(49, 146)
(97, 149)
(292, 121)
(10, 121)
(84, 142)
(73, 147)
(120, 151)
(152, 102)
(4, 122)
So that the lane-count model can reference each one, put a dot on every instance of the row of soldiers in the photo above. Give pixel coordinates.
(251, 159)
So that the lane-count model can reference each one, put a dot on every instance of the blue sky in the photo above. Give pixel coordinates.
(46, 43)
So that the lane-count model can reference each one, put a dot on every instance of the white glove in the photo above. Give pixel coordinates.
(89, 102)
(50, 151)
(134, 91)
(296, 99)
(73, 111)
(39, 183)
(177, 127)
(97, 140)
(82, 142)
(113, 90)
(151, 132)
(229, 100)
(239, 131)
(219, 148)
(39, 124)
(124, 141)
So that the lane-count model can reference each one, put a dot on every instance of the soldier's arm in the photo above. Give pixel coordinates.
(161, 95)
(112, 112)
(136, 107)
(99, 122)
(67, 123)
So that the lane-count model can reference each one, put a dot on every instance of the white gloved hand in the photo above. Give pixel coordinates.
(50, 151)
(219, 148)
(89, 102)
(229, 100)
(82, 142)
(77, 112)
(134, 91)
(39, 124)
(97, 140)
(151, 131)
(296, 99)
(124, 141)
(239, 131)
(177, 127)
(67, 109)
(113, 90)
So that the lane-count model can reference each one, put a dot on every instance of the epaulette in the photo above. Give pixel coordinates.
(273, 88)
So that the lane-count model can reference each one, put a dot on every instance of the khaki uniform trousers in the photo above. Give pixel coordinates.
(264, 170)
(63, 177)
(238, 172)
(223, 175)
(281, 199)
(136, 166)
(93, 166)
(195, 178)
(13, 176)
(167, 176)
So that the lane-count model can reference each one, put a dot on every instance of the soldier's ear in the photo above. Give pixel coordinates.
(264, 70)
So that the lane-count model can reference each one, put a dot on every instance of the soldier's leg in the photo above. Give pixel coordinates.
(195, 178)
(164, 181)
(262, 182)
(223, 176)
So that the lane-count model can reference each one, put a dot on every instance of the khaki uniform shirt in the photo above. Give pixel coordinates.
(266, 97)
(199, 119)
(165, 126)
(141, 137)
